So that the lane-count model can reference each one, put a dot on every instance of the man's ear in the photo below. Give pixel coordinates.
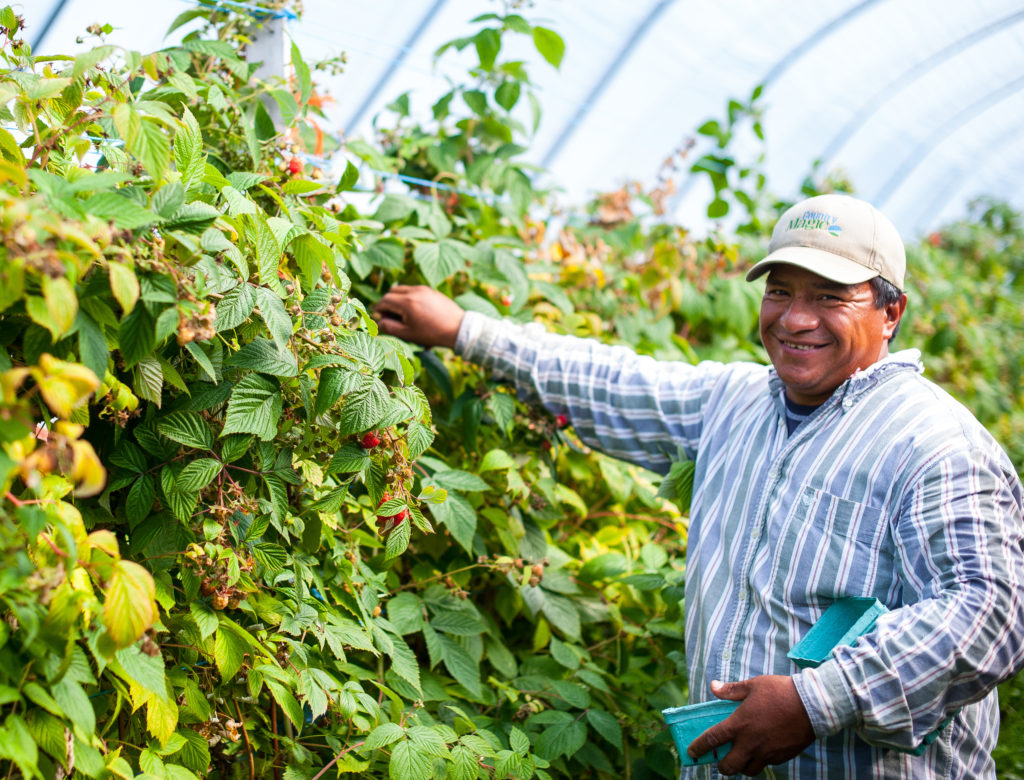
(893, 314)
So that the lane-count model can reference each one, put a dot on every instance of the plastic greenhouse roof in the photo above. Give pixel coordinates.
(918, 102)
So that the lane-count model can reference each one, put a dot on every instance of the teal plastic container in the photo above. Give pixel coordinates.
(840, 624)
(689, 722)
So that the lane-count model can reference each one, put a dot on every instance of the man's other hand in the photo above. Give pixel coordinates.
(419, 314)
(770, 726)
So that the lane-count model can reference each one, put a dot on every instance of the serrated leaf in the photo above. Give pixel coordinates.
(265, 356)
(61, 305)
(203, 360)
(351, 457)
(460, 665)
(278, 322)
(383, 735)
(270, 555)
(140, 499)
(152, 148)
(549, 44)
(408, 763)
(459, 623)
(193, 218)
(228, 652)
(149, 380)
(333, 383)
(440, 260)
(181, 502)
(205, 617)
(126, 214)
(235, 307)
(606, 725)
(459, 517)
(92, 345)
(188, 151)
(398, 541)
(136, 335)
(454, 479)
(186, 428)
(130, 604)
(496, 460)
(364, 406)
(561, 739)
(419, 438)
(197, 474)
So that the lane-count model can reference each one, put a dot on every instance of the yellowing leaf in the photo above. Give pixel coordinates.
(64, 385)
(161, 717)
(106, 541)
(130, 606)
(124, 285)
(61, 305)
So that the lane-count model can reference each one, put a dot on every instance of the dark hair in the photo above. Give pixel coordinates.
(885, 293)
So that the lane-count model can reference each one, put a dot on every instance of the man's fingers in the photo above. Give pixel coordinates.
(733, 691)
(710, 741)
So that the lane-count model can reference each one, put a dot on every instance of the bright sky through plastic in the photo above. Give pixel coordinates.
(918, 102)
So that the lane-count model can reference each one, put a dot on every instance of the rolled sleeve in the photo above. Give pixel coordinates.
(826, 697)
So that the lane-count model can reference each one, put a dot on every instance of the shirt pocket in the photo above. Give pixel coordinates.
(830, 547)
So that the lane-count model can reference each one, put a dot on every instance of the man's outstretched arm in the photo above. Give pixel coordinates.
(419, 314)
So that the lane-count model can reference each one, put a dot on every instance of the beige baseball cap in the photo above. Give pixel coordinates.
(839, 237)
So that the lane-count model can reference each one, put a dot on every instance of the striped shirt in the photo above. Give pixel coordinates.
(890, 489)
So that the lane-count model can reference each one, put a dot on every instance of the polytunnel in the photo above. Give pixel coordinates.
(917, 103)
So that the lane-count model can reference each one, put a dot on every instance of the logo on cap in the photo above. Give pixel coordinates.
(817, 220)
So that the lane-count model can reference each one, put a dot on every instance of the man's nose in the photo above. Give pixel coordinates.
(800, 315)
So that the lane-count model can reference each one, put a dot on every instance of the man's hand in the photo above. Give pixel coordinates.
(419, 314)
(771, 726)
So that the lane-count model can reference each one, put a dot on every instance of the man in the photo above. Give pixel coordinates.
(839, 471)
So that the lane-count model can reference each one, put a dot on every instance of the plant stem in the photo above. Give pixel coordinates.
(248, 746)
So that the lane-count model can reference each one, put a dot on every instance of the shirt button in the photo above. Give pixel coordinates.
(755, 534)
(773, 473)
(743, 595)
(726, 655)
(847, 403)
(805, 499)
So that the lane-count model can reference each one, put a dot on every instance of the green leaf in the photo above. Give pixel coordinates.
(255, 407)
(459, 480)
(507, 94)
(270, 555)
(186, 428)
(288, 702)
(334, 382)
(561, 739)
(460, 665)
(188, 151)
(235, 307)
(496, 460)
(149, 380)
(383, 735)
(203, 360)
(549, 44)
(181, 502)
(408, 763)
(193, 218)
(488, 44)
(168, 199)
(364, 406)
(140, 499)
(351, 457)
(419, 438)
(398, 541)
(459, 517)
(75, 704)
(92, 345)
(606, 725)
(205, 617)
(228, 652)
(718, 208)
(476, 100)
(441, 259)
(266, 357)
(268, 253)
(197, 474)
(136, 335)
(460, 623)
(143, 670)
(302, 76)
(278, 322)
(130, 606)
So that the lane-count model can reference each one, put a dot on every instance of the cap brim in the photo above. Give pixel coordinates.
(832, 267)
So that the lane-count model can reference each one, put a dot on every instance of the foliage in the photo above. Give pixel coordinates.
(245, 533)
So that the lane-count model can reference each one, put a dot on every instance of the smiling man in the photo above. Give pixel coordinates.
(838, 471)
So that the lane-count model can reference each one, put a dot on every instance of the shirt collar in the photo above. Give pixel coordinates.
(861, 380)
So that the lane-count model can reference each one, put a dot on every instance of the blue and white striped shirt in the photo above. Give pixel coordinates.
(891, 489)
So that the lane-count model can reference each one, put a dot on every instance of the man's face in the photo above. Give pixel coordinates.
(818, 332)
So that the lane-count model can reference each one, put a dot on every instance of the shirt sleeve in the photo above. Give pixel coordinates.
(959, 557)
(626, 405)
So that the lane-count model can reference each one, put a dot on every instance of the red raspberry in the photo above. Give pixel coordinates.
(387, 523)
(506, 300)
(369, 440)
(561, 421)
(295, 165)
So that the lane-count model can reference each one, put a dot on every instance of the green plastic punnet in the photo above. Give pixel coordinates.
(840, 624)
(688, 723)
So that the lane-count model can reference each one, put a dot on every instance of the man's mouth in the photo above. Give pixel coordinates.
(799, 347)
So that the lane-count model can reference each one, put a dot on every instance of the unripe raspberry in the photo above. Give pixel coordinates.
(369, 440)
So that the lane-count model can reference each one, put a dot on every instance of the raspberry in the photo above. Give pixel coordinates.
(561, 421)
(369, 440)
(388, 523)
(295, 165)
(506, 300)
